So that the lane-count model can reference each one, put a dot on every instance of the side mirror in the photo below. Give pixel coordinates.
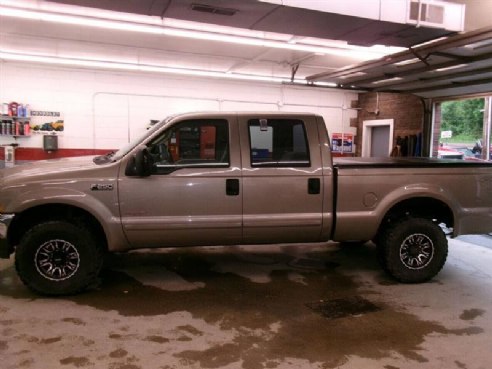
(140, 165)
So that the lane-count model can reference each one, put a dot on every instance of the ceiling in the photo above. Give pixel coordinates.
(457, 65)
(344, 67)
(270, 17)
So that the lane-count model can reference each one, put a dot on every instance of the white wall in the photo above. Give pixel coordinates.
(105, 109)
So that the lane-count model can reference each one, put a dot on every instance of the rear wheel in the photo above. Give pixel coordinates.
(58, 258)
(412, 250)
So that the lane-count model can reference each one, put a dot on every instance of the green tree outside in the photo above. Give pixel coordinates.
(464, 118)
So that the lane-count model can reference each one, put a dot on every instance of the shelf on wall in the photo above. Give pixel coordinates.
(10, 117)
(15, 136)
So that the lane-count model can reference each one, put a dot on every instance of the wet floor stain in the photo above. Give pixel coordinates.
(118, 353)
(339, 308)
(124, 366)
(471, 314)
(190, 329)
(234, 302)
(78, 362)
(75, 321)
(460, 364)
(47, 341)
(157, 339)
(322, 316)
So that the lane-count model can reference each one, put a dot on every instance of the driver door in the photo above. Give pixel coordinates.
(193, 196)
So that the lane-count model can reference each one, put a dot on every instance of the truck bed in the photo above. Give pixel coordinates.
(353, 163)
(367, 188)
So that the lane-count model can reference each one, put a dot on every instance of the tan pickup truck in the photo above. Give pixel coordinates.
(228, 179)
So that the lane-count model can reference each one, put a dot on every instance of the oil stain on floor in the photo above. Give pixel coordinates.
(307, 309)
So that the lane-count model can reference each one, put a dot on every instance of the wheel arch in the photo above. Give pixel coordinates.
(425, 207)
(41, 213)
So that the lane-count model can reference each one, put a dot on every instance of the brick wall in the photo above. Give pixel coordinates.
(407, 111)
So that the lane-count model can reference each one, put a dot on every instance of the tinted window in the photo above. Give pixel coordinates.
(202, 143)
(278, 142)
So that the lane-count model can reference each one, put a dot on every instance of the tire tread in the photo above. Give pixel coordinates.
(83, 234)
(388, 249)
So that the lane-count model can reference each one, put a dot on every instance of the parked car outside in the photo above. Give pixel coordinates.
(446, 152)
(468, 154)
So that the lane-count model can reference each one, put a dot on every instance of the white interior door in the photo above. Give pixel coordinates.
(377, 137)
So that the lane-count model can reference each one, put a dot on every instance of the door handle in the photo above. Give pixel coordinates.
(232, 187)
(314, 186)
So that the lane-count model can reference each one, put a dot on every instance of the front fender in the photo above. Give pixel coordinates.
(102, 205)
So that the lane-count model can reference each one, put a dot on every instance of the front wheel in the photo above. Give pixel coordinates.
(413, 250)
(58, 258)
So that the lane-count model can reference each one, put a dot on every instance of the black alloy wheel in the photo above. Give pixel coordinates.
(412, 250)
(58, 258)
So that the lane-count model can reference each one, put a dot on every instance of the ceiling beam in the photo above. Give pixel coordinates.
(450, 42)
(416, 71)
(444, 77)
(452, 84)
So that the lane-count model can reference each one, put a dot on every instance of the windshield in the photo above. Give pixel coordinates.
(116, 155)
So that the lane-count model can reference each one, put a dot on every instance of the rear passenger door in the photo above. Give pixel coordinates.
(282, 179)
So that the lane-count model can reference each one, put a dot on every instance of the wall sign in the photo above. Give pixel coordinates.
(41, 113)
(342, 142)
(47, 122)
(446, 134)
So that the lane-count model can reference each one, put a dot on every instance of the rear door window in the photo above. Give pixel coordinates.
(278, 143)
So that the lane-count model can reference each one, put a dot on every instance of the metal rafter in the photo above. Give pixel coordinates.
(438, 46)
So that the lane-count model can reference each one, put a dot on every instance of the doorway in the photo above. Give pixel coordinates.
(377, 137)
(462, 128)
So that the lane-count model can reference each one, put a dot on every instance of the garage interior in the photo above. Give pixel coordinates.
(92, 75)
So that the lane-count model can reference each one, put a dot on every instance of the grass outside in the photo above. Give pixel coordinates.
(464, 140)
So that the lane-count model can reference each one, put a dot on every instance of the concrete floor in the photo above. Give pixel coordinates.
(317, 306)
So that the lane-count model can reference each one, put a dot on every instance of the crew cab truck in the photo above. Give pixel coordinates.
(228, 179)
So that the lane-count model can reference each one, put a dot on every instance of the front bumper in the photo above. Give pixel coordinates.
(5, 249)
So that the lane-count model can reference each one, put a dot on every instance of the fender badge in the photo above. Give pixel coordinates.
(101, 187)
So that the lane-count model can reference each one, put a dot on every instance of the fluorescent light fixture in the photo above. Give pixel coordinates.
(387, 80)
(101, 64)
(324, 84)
(295, 39)
(131, 67)
(450, 68)
(159, 29)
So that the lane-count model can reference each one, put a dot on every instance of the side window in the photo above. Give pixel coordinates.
(192, 143)
(278, 143)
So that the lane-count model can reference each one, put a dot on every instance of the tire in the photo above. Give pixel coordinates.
(412, 250)
(58, 258)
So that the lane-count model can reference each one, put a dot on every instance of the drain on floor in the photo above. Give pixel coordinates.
(339, 308)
